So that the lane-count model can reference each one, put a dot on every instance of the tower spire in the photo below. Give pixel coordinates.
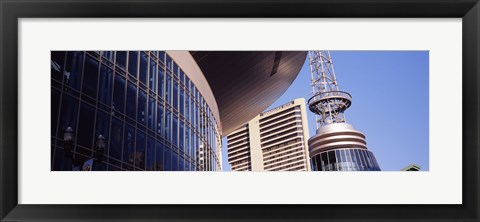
(327, 101)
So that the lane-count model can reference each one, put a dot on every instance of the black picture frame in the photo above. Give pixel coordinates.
(11, 11)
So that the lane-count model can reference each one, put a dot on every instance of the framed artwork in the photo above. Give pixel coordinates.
(154, 86)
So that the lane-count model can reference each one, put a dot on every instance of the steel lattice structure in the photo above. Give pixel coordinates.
(327, 102)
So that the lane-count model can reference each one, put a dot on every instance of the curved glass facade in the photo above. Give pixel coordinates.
(150, 113)
(348, 159)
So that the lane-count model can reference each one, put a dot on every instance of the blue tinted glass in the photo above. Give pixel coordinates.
(90, 77)
(175, 69)
(161, 75)
(159, 118)
(153, 76)
(175, 130)
(68, 114)
(143, 68)
(187, 108)
(119, 94)
(168, 89)
(167, 125)
(121, 59)
(85, 126)
(57, 63)
(187, 141)
(174, 161)
(182, 76)
(150, 154)
(131, 100)
(128, 147)
(182, 102)
(161, 56)
(116, 140)
(168, 159)
(140, 151)
(175, 95)
(142, 100)
(105, 87)
(151, 113)
(169, 63)
(133, 63)
(181, 164)
(181, 136)
(73, 69)
(102, 128)
(109, 55)
(54, 106)
(159, 156)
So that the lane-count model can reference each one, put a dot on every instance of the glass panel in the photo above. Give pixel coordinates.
(54, 107)
(73, 69)
(167, 125)
(153, 76)
(168, 90)
(168, 159)
(169, 64)
(116, 140)
(159, 157)
(85, 126)
(181, 137)
(142, 100)
(161, 56)
(109, 55)
(175, 69)
(181, 166)
(57, 62)
(324, 161)
(105, 88)
(182, 77)
(131, 100)
(119, 94)
(175, 95)
(151, 113)
(175, 130)
(181, 102)
(150, 155)
(128, 147)
(102, 128)
(121, 59)
(159, 119)
(68, 114)
(133, 63)
(90, 77)
(140, 151)
(161, 75)
(187, 142)
(174, 161)
(143, 68)
(187, 108)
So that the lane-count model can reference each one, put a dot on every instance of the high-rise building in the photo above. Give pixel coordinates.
(158, 110)
(337, 146)
(275, 140)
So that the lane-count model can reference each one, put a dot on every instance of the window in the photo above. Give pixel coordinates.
(161, 56)
(68, 114)
(175, 95)
(181, 136)
(159, 162)
(85, 126)
(102, 127)
(90, 77)
(181, 102)
(167, 125)
(174, 161)
(73, 69)
(151, 113)
(55, 96)
(143, 68)
(121, 59)
(57, 62)
(161, 74)
(108, 55)
(152, 80)
(131, 100)
(105, 87)
(159, 118)
(142, 100)
(119, 94)
(150, 155)
(168, 89)
(169, 63)
(133, 63)
(175, 130)
(139, 154)
(128, 147)
(115, 150)
(168, 159)
(175, 69)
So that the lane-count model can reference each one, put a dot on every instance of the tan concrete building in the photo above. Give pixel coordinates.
(275, 140)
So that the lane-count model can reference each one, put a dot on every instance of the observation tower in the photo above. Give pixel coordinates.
(337, 146)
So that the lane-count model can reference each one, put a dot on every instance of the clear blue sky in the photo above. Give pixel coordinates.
(390, 103)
